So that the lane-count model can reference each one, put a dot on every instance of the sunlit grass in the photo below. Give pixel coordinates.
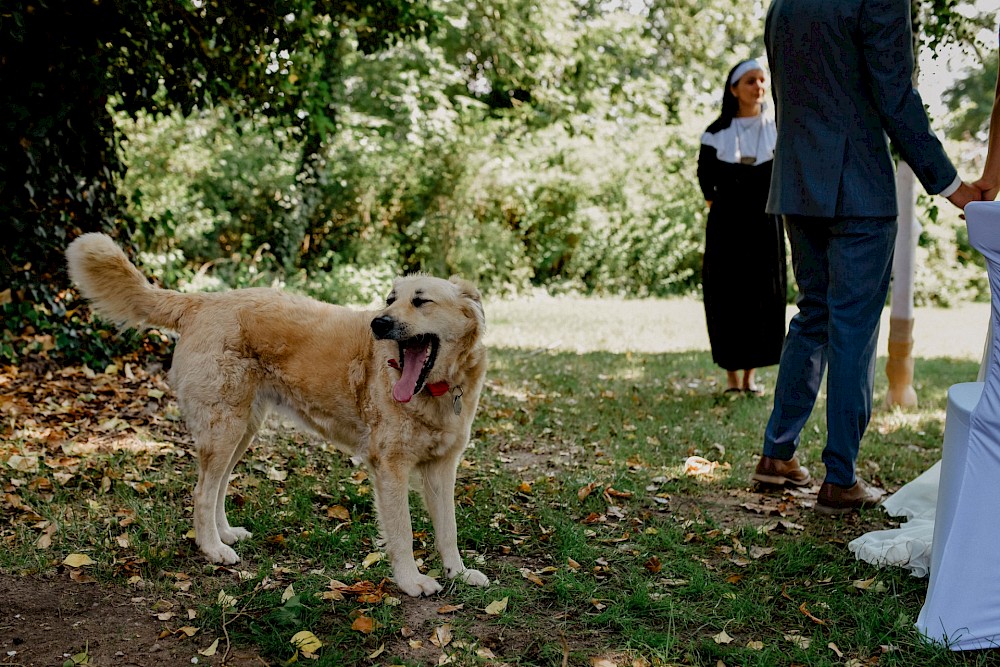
(573, 499)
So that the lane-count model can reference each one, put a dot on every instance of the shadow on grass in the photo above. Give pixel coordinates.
(573, 498)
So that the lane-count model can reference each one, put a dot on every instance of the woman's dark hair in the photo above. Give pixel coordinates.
(730, 105)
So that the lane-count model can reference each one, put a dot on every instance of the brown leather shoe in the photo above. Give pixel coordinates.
(833, 499)
(780, 473)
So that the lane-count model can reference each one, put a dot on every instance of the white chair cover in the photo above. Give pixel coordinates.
(962, 609)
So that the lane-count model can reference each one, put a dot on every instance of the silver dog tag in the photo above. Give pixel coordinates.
(456, 402)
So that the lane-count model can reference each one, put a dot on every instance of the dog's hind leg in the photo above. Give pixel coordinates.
(439, 498)
(229, 534)
(392, 503)
(216, 447)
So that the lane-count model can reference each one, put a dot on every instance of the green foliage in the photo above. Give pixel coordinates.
(948, 270)
(63, 62)
(309, 145)
(970, 102)
(432, 171)
(939, 23)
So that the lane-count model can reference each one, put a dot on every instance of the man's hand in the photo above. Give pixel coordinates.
(965, 194)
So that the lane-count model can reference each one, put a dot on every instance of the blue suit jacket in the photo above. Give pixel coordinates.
(842, 81)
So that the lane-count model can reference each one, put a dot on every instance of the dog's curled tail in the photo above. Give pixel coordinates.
(117, 290)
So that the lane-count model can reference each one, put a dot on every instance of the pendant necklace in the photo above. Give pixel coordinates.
(749, 159)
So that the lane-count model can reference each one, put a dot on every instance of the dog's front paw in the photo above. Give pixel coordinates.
(471, 577)
(234, 535)
(220, 554)
(419, 584)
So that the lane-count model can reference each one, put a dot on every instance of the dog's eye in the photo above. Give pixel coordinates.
(390, 300)
(417, 301)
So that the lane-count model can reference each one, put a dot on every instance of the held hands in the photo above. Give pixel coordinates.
(965, 194)
(988, 186)
(985, 189)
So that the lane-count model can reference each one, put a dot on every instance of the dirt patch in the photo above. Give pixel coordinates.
(46, 621)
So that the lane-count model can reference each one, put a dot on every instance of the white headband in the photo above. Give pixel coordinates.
(742, 69)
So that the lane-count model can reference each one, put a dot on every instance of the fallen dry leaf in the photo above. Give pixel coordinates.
(819, 621)
(339, 512)
(366, 591)
(497, 607)
(44, 540)
(673, 582)
(441, 636)
(225, 600)
(23, 463)
(364, 625)
(697, 466)
(601, 661)
(79, 577)
(587, 490)
(77, 560)
(210, 651)
(532, 577)
(798, 640)
(722, 638)
(306, 641)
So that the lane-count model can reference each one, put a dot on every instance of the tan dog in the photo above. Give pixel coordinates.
(397, 387)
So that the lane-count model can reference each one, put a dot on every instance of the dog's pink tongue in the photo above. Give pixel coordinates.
(406, 385)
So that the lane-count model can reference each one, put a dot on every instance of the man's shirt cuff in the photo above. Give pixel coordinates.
(953, 188)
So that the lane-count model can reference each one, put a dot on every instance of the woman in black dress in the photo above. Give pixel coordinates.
(743, 272)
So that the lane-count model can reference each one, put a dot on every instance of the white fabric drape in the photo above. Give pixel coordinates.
(953, 508)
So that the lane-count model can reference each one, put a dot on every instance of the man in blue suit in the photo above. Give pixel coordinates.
(842, 81)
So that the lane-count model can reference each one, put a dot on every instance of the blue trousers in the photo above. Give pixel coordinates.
(842, 267)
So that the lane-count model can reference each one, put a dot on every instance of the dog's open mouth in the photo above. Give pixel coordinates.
(416, 359)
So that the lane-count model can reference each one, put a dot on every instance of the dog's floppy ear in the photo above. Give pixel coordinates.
(468, 291)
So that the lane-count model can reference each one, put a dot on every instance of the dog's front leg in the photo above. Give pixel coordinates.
(211, 477)
(439, 497)
(392, 503)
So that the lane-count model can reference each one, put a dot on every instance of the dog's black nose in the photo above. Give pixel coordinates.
(382, 326)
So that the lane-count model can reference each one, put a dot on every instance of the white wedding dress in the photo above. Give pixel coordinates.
(954, 507)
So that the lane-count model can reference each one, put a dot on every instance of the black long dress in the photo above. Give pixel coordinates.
(744, 266)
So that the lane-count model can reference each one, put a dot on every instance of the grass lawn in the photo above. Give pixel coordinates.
(572, 497)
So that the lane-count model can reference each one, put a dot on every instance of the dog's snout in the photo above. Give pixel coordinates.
(383, 326)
